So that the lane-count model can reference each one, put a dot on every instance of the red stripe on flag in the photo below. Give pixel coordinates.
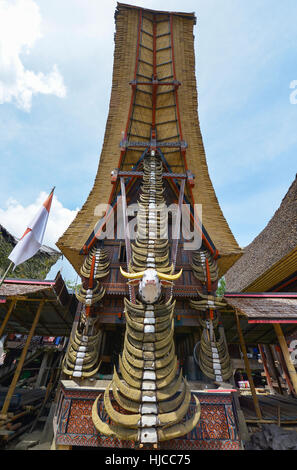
(47, 204)
(25, 232)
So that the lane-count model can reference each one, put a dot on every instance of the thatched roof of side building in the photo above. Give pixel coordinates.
(272, 255)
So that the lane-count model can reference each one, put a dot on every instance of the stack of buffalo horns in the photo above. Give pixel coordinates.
(153, 398)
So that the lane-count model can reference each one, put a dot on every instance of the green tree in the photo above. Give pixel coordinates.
(221, 287)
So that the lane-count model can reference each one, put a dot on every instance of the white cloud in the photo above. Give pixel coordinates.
(20, 28)
(15, 218)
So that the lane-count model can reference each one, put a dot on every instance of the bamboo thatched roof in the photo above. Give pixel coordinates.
(265, 310)
(272, 255)
(130, 116)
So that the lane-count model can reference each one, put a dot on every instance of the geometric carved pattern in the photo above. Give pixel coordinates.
(216, 429)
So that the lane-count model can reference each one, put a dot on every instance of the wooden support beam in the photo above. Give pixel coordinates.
(266, 370)
(21, 362)
(23, 298)
(31, 311)
(286, 355)
(176, 234)
(247, 367)
(283, 367)
(7, 316)
(60, 315)
(271, 363)
(127, 236)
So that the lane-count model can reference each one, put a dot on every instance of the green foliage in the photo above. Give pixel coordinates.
(221, 287)
(72, 285)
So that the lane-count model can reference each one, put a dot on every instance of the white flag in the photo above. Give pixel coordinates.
(31, 241)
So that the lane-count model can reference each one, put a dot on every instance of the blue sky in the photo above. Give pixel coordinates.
(55, 79)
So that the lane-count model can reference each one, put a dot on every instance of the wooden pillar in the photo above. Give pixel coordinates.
(283, 368)
(7, 316)
(127, 237)
(21, 361)
(42, 370)
(247, 368)
(273, 368)
(266, 370)
(286, 355)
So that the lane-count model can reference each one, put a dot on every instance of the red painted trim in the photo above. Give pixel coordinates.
(208, 275)
(88, 310)
(91, 279)
(286, 284)
(175, 84)
(281, 295)
(272, 321)
(216, 390)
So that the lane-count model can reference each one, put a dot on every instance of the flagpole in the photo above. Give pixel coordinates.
(6, 272)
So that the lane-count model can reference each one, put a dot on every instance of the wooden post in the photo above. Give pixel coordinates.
(7, 316)
(176, 232)
(273, 368)
(284, 369)
(127, 237)
(42, 369)
(266, 370)
(247, 368)
(21, 362)
(286, 354)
